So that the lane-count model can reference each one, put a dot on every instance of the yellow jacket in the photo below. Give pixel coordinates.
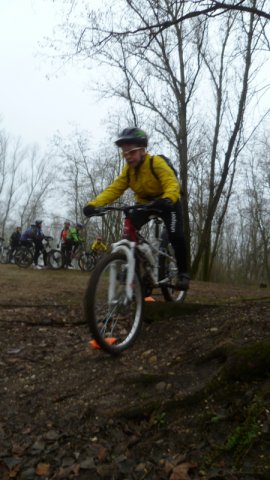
(99, 246)
(143, 183)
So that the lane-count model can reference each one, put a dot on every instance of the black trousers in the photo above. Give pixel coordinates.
(173, 220)
(38, 249)
(69, 247)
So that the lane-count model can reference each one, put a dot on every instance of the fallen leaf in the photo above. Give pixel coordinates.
(181, 472)
(42, 469)
(102, 453)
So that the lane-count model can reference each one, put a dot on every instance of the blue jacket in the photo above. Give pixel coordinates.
(32, 233)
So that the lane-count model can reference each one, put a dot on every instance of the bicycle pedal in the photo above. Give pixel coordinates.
(94, 344)
(149, 299)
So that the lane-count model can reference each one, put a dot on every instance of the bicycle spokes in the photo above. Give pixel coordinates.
(112, 313)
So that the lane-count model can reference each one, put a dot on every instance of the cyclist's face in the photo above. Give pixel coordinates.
(133, 154)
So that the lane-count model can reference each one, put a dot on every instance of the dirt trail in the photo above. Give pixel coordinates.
(169, 408)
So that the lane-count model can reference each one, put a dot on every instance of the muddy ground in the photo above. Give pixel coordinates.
(190, 400)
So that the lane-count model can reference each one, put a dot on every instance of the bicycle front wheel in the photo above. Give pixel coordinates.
(114, 320)
(55, 259)
(23, 257)
(86, 262)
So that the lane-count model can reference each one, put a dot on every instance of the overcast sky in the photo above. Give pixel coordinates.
(36, 101)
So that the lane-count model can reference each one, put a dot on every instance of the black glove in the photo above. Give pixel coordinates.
(161, 203)
(89, 210)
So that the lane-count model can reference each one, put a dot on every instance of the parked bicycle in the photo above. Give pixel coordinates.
(55, 259)
(114, 297)
(58, 259)
(88, 260)
(24, 254)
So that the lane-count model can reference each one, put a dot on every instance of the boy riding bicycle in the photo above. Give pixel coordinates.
(161, 190)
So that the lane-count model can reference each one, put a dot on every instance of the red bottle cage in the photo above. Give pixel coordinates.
(129, 230)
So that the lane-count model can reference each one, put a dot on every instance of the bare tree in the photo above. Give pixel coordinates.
(228, 137)
(157, 85)
(10, 161)
(85, 174)
(160, 86)
(38, 183)
(26, 181)
(191, 9)
(258, 197)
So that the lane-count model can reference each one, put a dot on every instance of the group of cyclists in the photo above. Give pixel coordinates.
(70, 240)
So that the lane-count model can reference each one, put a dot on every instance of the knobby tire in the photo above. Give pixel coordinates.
(113, 319)
(86, 262)
(55, 259)
(23, 257)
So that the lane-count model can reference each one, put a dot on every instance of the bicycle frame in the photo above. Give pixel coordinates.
(127, 246)
(121, 282)
(128, 249)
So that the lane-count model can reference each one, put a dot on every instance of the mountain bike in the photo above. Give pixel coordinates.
(114, 297)
(88, 260)
(58, 259)
(24, 254)
(55, 259)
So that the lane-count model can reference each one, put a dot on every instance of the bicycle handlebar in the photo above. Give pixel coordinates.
(100, 211)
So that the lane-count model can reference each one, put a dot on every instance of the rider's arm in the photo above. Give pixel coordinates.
(74, 236)
(93, 245)
(28, 234)
(113, 191)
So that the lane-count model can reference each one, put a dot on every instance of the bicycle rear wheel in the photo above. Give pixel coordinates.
(23, 257)
(86, 262)
(114, 321)
(168, 269)
(55, 259)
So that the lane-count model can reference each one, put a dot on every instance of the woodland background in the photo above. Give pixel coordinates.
(194, 76)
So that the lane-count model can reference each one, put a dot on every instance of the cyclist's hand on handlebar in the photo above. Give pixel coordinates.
(161, 203)
(90, 210)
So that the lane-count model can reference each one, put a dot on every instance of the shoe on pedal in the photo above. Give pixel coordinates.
(182, 282)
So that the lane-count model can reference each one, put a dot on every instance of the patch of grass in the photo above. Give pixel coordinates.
(245, 433)
(158, 420)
